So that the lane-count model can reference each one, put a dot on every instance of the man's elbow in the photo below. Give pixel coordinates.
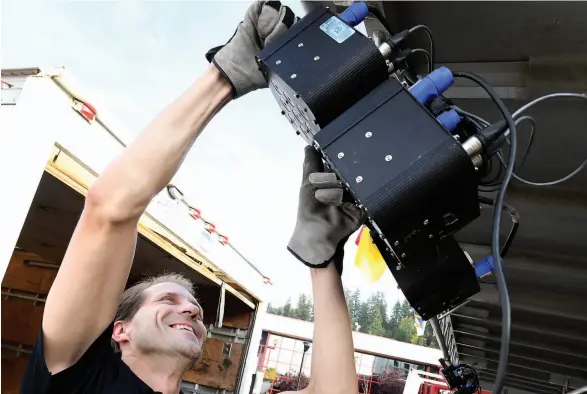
(111, 208)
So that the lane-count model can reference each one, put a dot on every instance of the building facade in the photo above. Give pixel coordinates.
(286, 349)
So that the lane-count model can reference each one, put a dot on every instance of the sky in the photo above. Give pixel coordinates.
(135, 57)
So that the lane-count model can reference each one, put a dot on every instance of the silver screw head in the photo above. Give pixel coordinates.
(388, 158)
(340, 155)
(359, 179)
(368, 134)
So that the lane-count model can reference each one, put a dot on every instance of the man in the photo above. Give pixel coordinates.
(98, 338)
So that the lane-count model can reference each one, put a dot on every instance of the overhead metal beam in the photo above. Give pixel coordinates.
(516, 80)
(527, 374)
(491, 363)
(562, 338)
(537, 301)
(542, 348)
(541, 214)
(523, 364)
(515, 352)
(578, 370)
(521, 384)
(490, 375)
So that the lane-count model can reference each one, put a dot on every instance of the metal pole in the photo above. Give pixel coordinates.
(306, 347)
(440, 338)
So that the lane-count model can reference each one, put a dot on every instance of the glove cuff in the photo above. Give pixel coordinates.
(233, 88)
(337, 259)
(297, 256)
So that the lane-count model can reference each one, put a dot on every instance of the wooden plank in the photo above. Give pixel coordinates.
(241, 320)
(214, 369)
(13, 368)
(20, 276)
(21, 320)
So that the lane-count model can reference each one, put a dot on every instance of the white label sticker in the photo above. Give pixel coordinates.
(337, 29)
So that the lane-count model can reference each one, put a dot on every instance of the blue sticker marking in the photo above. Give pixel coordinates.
(337, 29)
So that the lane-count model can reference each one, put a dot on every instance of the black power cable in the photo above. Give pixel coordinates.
(530, 140)
(429, 33)
(493, 184)
(428, 57)
(515, 223)
(501, 283)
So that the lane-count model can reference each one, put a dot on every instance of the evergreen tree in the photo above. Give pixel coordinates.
(394, 320)
(381, 304)
(430, 337)
(354, 304)
(287, 309)
(363, 316)
(406, 309)
(303, 309)
(375, 326)
(406, 330)
(371, 316)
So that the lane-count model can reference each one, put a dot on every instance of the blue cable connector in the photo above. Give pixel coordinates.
(432, 85)
(354, 14)
(484, 267)
(449, 119)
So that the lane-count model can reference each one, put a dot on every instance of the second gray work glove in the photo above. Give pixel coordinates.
(264, 21)
(325, 220)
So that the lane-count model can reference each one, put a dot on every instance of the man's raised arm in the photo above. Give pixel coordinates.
(324, 224)
(85, 294)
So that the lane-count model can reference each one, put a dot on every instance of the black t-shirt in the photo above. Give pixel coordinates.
(99, 371)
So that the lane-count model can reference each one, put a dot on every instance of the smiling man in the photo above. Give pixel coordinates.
(97, 337)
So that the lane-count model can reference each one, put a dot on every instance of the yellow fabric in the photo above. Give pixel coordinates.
(368, 258)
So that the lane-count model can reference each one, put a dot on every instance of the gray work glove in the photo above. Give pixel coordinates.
(326, 217)
(263, 22)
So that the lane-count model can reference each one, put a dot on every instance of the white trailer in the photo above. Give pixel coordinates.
(54, 145)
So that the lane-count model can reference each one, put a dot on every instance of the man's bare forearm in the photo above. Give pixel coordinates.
(124, 188)
(333, 361)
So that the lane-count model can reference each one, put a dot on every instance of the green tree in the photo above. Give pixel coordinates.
(380, 303)
(394, 320)
(377, 317)
(287, 309)
(422, 341)
(370, 317)
(430, 337)
(363, 316)
(375, 326)
(303, 309)
(406, 330)
(354, 304)
(406, 309)
(275, 310)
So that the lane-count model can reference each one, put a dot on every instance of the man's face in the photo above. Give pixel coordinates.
(168, 322)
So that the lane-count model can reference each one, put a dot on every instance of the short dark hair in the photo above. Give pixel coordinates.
(134, 296)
